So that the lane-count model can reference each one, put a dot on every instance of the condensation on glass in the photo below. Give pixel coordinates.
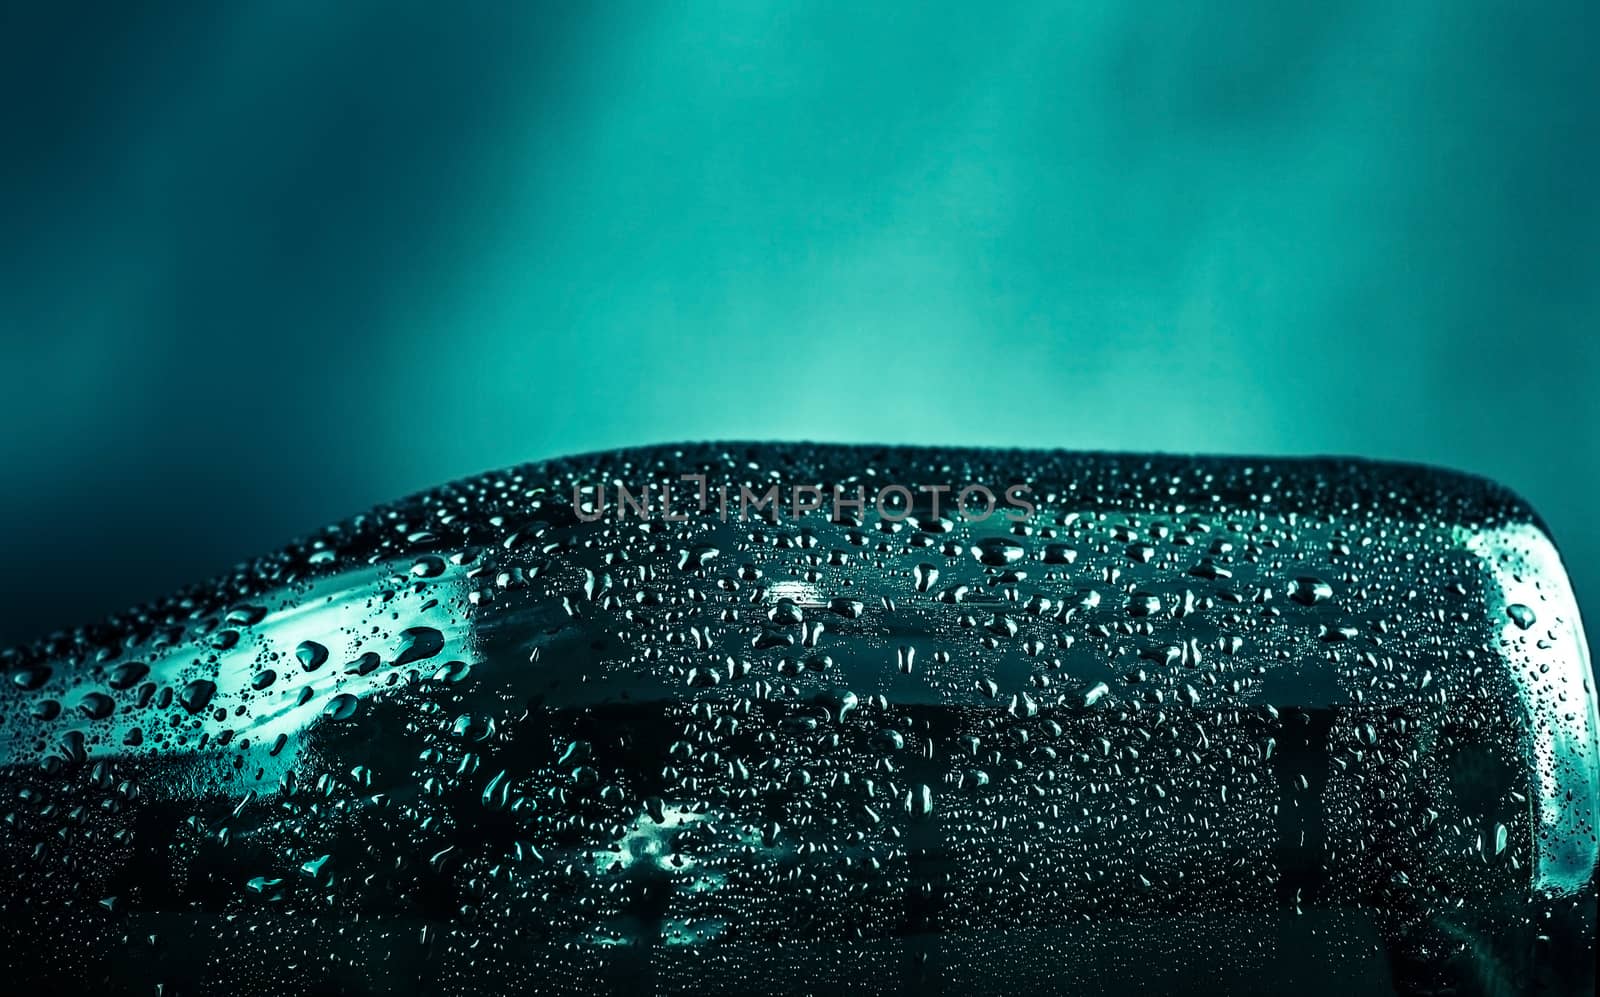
(1201, 725)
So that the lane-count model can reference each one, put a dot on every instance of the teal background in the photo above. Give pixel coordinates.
(263, 265)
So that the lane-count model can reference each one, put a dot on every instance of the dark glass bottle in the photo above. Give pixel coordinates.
(782, 719)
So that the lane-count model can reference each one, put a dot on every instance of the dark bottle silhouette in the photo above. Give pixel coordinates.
(965, 722)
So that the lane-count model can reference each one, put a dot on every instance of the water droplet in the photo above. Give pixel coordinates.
(311, 655)
(128, 674)
(998, 551)
(196, 696)
(341, 707)
(96, 706)
(1308, 591)
(474, 728)
(418, 644)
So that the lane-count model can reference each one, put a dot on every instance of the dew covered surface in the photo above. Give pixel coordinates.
(1196, 725)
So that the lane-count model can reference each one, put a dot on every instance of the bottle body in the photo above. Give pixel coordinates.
(1149, 725)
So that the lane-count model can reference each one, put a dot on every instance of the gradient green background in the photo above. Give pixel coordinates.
(265, 264)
